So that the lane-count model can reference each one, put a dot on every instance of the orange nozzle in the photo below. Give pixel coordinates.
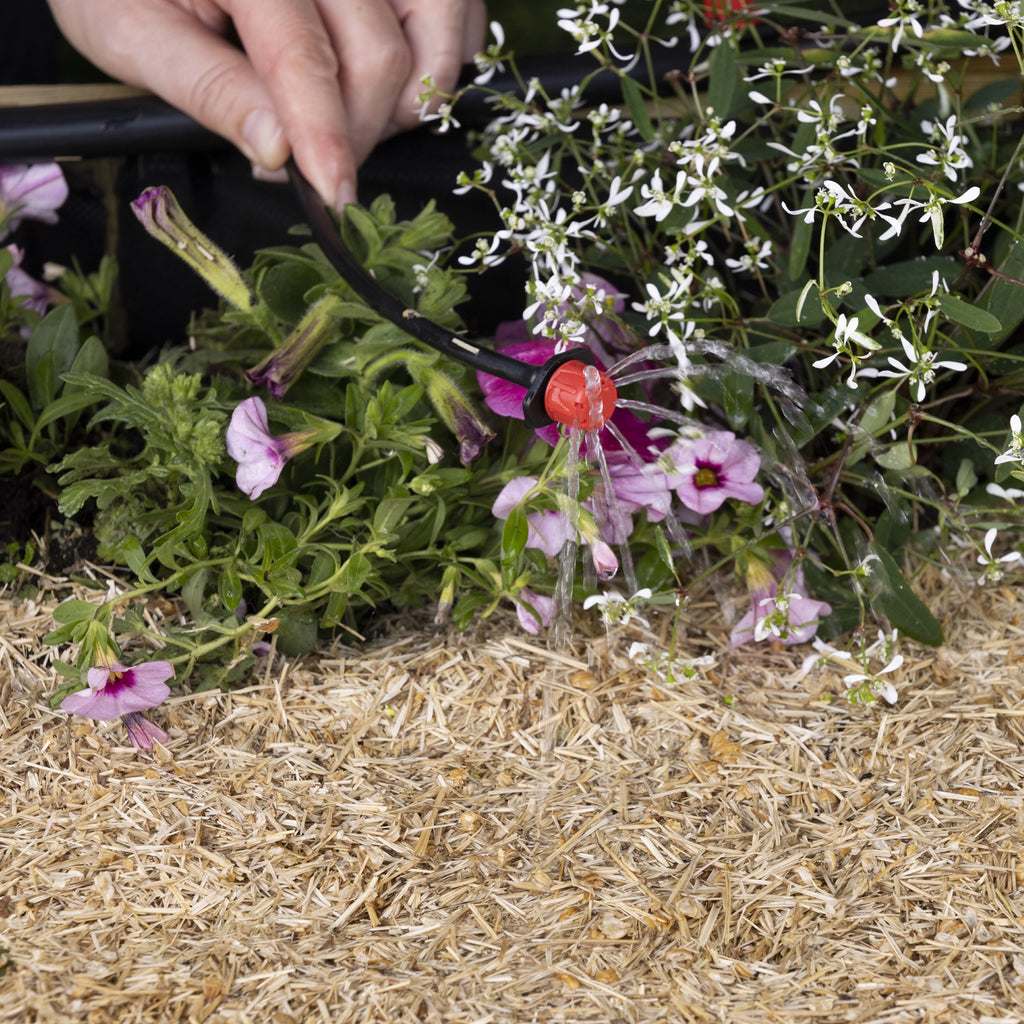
(580, 396)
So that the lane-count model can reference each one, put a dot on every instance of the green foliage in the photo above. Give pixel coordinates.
(806, 258)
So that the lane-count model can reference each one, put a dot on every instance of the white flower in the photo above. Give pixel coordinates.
(905, 16)
(659, 202)
(863, 687)
(617, 609)
(993, 573)
(617, 195)
(949, 156)
(1015, 449)
(1010, 494)
(921, 371)
(491, 59)
(932, 210)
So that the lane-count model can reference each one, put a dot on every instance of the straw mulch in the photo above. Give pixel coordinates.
(379, 836)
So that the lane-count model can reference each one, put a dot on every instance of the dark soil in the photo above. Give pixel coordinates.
(29, 515)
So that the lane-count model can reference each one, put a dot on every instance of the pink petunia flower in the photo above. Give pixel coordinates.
(780, 608)
(32, 293)
(30, 192)
(706, 470)
(634, 488)
(114, 690)
(542, 614)
(260, 455)
(548, 530)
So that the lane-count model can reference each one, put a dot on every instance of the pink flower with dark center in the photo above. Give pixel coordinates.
(114, 690)
(260, 455)
(30, 192)
(706, 470)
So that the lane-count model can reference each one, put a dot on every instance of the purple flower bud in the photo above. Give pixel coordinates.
(159, 213)
(457, 413)
(282, 367)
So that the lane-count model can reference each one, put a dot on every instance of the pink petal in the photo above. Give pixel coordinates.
(512, 495)
(544, 607)
(142, 732)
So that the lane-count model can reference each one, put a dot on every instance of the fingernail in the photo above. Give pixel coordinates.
(262, 135)
(346, 195)
(278, 177)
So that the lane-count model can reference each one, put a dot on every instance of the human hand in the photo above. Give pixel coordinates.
(324, 80)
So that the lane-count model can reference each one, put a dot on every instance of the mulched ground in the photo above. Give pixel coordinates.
(474, 828)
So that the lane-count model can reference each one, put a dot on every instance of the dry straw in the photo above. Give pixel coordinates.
(377, 836)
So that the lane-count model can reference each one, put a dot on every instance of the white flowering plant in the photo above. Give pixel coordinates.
(791, 245)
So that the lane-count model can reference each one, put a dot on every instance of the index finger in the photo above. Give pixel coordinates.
(291, 50)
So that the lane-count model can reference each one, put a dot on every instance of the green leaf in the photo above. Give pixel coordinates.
(283, 288)
(970, 316)
(74, 610)
(908, 277)
(514, 535)
(92, 358)
(899, 604)
(637, 108)
(724, 77)
(296, 632)
(51, 351)
(800, 247)
(664, 550)
(993, 94)
(18, 403)
(876, 418)
(1003, 298)
(229, 588)
(783, 311)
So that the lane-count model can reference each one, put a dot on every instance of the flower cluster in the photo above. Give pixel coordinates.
(793, 274)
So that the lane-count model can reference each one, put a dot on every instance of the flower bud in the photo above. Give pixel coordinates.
(159, 213)
(282, 367)
(456, 412)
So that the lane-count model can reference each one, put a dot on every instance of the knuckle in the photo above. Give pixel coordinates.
(306, 54)
(213, 91)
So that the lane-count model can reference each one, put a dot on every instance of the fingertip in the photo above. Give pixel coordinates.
(346, 195)
(263, 139)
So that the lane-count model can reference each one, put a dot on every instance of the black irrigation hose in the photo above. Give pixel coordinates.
(534, 378)
(146, 124)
